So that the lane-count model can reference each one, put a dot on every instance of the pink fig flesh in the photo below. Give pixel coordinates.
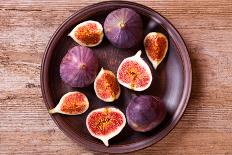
(88, 33)
(105, 123)
(72, 103)
(106, 86)
(156, 46)
(134, 73)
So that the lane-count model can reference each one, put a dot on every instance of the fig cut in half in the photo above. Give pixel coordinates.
(72, 103)
(134, 73)
(106, 86)
(88, 33)
(156, 47)
(105, 123)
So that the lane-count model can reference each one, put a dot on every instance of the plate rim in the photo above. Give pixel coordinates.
(187, 73)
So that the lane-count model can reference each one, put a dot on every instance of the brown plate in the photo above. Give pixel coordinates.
(172, 80)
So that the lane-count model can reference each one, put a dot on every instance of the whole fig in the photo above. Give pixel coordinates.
(145, 112)
(79, 67)
(124, 28)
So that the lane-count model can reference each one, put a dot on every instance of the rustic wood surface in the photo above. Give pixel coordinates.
(27, 25)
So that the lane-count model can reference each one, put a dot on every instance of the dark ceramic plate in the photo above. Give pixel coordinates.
(172, 80)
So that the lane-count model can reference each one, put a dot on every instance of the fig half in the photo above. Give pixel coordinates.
(88, 33)
(105, 123)
(106, 86)
(156, 47)
(72, 103)
(124, 28)
(134, 73)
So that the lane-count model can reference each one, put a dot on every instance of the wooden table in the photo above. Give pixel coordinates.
(25, 28)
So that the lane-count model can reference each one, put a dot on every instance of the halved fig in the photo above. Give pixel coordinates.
(156, 47)
(105, 123)
(106, 86)
(88, 33)
(72, 103)
(134, 73)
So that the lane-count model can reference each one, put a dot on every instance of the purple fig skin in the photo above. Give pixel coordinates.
(79, 67)
(124, 28)
(145, 112)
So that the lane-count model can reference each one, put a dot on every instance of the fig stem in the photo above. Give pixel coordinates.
(106, 142)
(138, 54)
(155, 65)
(83, 66)
(102, 69)
(52, 111)
(122, 25)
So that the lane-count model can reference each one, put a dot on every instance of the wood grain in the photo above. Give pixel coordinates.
(25, 28)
